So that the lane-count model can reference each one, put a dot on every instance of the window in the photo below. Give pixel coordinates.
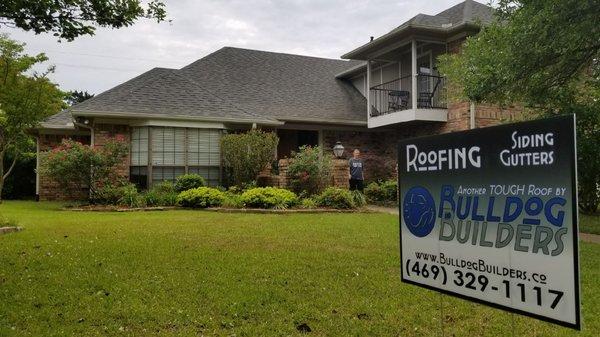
(168, 146)
(139, 147)
(139, 176)
(211, 174)
(162, 173)
(174, 151)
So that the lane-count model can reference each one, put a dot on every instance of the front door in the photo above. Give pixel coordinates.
(291, 140)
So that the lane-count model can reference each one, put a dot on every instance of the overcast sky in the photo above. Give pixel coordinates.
(199, 27)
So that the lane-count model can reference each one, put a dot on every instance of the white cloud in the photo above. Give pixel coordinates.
(307, 27)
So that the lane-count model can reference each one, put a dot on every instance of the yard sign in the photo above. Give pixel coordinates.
(490, 215)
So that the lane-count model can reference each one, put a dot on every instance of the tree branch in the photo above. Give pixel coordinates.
(12, 166)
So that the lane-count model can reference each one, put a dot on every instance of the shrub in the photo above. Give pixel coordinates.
(334, 197)
(188, 181)
(359, 198)
(108, 194)
(201, 197)
(162, 194)
(390, 187)
(385, 191)
(309, 170)
(75, 166)
(130, 196)
(246, 154)
(308, 203)
(269, 197)
(375, 193)
(233, 200)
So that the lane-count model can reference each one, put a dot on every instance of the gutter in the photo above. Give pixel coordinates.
(176, 117)
(324, 121)
(395, 33)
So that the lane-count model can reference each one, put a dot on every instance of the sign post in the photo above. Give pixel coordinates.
(490, 215)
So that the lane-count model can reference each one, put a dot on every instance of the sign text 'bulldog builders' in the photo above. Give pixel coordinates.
(491, 215)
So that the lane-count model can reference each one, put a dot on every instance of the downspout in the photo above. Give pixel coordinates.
(472, 115)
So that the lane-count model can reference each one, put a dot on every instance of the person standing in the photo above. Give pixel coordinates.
(356, 171)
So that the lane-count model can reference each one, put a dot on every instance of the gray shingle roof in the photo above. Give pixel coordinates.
(164, 92)
(234, 84)
(62, 120)
(281, 86)
(464, 13)
(468, 11)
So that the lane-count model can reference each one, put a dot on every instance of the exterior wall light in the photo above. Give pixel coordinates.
(338, 150)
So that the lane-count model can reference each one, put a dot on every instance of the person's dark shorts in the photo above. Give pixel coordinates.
(356, 184)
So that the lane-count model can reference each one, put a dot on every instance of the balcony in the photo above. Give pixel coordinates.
(402, 83)
(395, 95)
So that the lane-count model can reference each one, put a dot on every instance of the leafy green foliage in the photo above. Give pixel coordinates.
(26, 98)
(308, 203)
(20, 184)
(309, 170)
(161, 194)
(75, 97)
(542, 54)
(75, 166)
(385, 191)
(233, 200)
(247, 154)
(334, 197)
(359, 198)
(188, 181)
(201, 197)
(71, 19)
(130, 196)
(269, 197)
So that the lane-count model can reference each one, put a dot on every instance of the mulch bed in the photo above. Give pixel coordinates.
(105, 208)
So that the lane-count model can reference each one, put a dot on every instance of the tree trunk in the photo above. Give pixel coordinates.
(1, 174)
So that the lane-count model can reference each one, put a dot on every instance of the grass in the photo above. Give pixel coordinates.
(589, 224)
(194, 273)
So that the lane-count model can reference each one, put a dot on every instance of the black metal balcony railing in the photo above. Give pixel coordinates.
(396, 95)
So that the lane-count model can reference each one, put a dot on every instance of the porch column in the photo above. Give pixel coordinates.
(368, 93)
(413, 64)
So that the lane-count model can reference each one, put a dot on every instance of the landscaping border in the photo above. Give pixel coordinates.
(219, 209)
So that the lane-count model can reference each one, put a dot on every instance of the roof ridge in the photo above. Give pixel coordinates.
(222, 49)
(287, 54)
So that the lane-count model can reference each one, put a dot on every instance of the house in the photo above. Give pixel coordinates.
(384, 90)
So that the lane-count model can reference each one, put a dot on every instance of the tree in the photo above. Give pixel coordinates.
(74, 97)
(25, 100)
(543, 54)
(309, 170)
(247, 154)
(69, 19)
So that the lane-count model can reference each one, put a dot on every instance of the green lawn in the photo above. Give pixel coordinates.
(194, 273)
(589, 224)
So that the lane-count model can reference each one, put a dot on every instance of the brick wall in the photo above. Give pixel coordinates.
(105, 132)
